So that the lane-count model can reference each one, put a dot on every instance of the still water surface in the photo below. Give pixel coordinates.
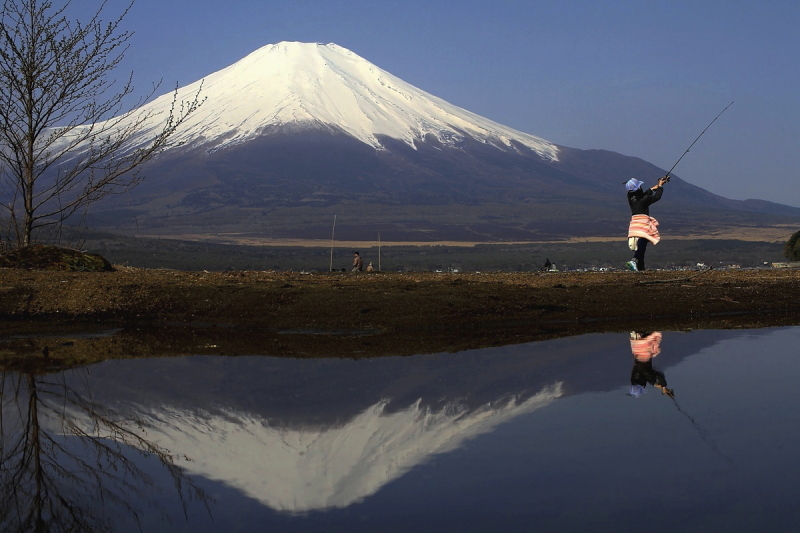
(546, 436)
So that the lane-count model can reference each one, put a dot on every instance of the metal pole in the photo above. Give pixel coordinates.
(330, 267)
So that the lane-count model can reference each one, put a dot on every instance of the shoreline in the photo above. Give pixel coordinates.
(163, 312)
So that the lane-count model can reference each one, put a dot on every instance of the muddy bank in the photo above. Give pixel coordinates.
(168, 312)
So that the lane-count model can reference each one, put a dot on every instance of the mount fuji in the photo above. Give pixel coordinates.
(297, 133)
(329, 88)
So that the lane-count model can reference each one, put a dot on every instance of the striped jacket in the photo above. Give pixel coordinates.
(646, 348)
(644, 226)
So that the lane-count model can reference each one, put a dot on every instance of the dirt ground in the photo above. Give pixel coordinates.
(64, 316)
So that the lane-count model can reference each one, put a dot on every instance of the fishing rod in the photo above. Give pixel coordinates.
(698, 137)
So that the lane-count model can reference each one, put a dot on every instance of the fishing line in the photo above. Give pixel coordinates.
(704, 434)
(698, 137)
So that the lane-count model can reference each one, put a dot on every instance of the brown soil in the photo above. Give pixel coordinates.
(167, 312)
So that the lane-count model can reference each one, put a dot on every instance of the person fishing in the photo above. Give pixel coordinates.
(643, 228)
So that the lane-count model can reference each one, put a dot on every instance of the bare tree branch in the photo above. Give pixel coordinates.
(66, 138)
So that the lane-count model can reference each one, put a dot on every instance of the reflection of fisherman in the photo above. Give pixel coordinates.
(645, 346)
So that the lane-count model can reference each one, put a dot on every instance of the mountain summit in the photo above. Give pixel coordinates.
(330, 87)
(295, 134)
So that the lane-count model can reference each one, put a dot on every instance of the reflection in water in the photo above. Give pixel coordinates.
(512, 438)
(318, 467)
(66, 461)
(646, 346)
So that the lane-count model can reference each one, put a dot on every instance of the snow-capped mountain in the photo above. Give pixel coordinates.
(305, 131)
(329, 87)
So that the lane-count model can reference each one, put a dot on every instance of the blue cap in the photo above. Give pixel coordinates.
(633, 184)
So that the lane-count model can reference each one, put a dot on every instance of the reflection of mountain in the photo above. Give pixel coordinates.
(291, 392)
(302, 434)
(318, 467)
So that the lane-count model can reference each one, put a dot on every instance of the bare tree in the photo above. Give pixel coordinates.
(66, 131)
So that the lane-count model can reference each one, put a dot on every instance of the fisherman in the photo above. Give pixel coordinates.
(643, 228)
(358, 263)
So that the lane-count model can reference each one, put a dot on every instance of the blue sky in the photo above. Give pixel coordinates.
(638, 77)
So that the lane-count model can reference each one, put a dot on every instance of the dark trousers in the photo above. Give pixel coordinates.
(641, 247)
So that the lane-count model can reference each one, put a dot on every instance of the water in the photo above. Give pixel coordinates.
(546, 436)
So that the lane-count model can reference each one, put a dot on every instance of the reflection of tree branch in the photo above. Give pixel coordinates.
(58, 481)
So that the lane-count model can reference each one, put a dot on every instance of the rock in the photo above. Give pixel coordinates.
(42, 257)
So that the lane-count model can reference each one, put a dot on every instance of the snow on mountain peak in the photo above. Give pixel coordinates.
(327, 86)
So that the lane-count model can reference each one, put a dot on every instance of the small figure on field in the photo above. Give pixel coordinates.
(643, 228)
(370, 268)
(547, 265)
(358, 263)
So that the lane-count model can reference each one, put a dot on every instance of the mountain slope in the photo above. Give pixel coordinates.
(296, 133)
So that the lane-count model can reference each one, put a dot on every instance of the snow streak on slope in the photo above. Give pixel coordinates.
(299, 470)
(328, 87)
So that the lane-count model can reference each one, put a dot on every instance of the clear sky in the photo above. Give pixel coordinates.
(639, 77)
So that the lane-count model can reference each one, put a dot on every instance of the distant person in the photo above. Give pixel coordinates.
(643, 228)
(646, 346)
(358, 263)
(547, 265)
(370, 268)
